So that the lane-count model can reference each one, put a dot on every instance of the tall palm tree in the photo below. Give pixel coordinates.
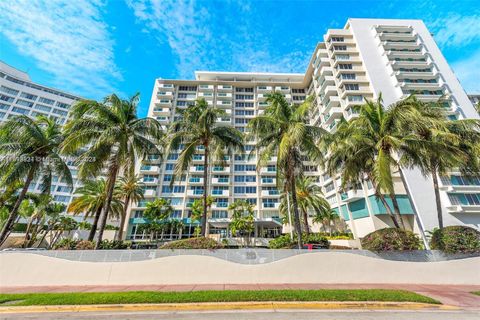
(440, 144)
(30, 149)
(282, 131)
(89, 200)
(113, 138)
(199, 127)
(130, 188)
(309, 198)
(354, 160)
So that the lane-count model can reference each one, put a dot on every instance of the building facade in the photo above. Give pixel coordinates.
(365, 59)
(19, 95)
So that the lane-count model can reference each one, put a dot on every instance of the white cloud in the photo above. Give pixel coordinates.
(68, 39)
(468, 72)
(223, 40)
(456, 30)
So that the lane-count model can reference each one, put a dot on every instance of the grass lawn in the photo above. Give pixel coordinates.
(477, 293)
(84, 298)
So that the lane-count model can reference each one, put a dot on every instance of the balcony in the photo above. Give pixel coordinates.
(164, 102)
(223, 120)
(264, 88)
(195, 180)
(221, 169)
(149, 193)
(224, 104)
(224, 87)
(205, 95)
(205, 87)
(221, 181)
(150, 181)
(388, 36)
(164, 94)
(196, 169)
(165, 85)
(458, 208)
(270, 205)
(387, 45)
(352, 195)
(419, 85)
(195, 192)
(161, 111)
(149, 169)
(262, 96)
(224, 95)
(334, 113)
(268, 182)
(268, 193)
(224, 193)
(396, 64)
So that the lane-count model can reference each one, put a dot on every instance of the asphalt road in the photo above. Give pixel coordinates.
(260, 315)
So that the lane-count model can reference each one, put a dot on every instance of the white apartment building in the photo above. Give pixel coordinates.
(366, 58)
(19, 95)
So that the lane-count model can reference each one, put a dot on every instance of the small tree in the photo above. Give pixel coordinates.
(156, 214)
(242, 221)
(197, 212)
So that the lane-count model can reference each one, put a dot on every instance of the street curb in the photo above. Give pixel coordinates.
(212, 306)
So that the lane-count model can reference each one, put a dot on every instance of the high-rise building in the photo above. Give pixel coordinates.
(475, 98)
(19, 95)
(365, 59)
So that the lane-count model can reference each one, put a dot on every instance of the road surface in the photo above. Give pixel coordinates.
(261, 315)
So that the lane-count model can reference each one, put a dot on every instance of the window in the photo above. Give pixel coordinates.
(466, 199)
(174, 189)
(4, 106)
(351, 86)
(176, 201)
(271, 168)
(241, 121)
(167, 177)
(329, 187)
(169, 166)
(187, 88)
(149, 178)
(345, 66)
(28, 96)
(337, 39)
(244, 104)
(64, 199)
(6, 98)
(343, 57)
(64, 189)
(355, 98)
(244, 96)
(219, 214)
(244, 190)
(62, 105)
(269, 203)
(244, 112)
(8, 90)
(43, 108)
(45, 100)
(24, 103)
(20, 110)
(298, 90)
(172, 156)
(340, 48)
(348, 76)
(60, 112)
(243, 89)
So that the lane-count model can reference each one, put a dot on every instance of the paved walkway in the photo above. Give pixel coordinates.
(453, 295)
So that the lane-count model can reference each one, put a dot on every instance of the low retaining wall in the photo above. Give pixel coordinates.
(32, 269)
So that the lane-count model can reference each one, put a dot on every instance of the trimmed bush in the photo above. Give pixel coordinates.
(113, 245)
(85, 245)
(456, 239)
(390, 239)
(193, 243)
(285, 242)
(66, 244)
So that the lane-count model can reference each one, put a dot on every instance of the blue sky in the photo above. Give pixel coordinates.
(93, 47)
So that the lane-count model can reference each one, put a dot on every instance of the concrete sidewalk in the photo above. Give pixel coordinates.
(453, 295)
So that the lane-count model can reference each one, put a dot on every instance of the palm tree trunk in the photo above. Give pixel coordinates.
(396, 209)
(27, 231)
(13, 214)
(437, 199)
(305, 222)
(110, 187)
(123, 218)
(381, 196)
(93, 229)
(205, 186)
(296, 215)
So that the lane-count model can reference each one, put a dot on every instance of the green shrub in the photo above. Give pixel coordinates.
(193, 243)
(391, 239)
(113, 245)
(85, 245)
(285, 242)
(66, 244)
(456, 239)
(281, 242)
